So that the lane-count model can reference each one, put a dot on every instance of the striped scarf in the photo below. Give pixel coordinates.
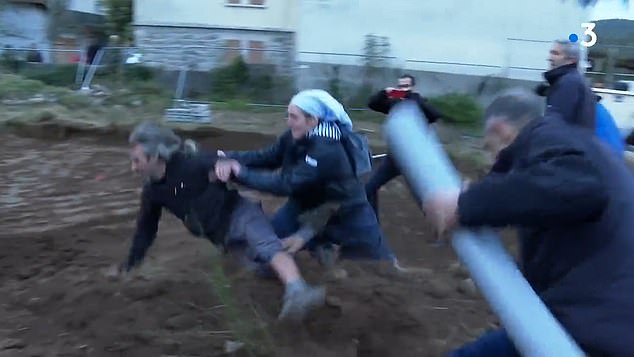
(325, 129)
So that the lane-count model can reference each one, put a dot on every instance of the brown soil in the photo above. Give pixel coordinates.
(68, 209)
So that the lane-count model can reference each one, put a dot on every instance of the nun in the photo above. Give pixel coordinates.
(318, 177)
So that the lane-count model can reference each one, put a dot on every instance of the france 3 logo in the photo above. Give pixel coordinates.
(590, 36)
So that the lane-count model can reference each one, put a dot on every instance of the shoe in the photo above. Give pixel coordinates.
(326, 255)
(298, 303)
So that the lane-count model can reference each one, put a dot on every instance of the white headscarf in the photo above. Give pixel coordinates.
(322, 105)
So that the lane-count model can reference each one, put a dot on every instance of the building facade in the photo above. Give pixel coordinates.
(202, 34)
(449, 43)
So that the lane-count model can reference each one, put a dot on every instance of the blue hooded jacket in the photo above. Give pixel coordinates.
(607, 130)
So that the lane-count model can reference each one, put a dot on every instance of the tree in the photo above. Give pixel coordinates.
(375, 51)
(119, 18)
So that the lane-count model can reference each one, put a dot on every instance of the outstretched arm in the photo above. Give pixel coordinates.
(380, 102)
(269, 157)
(558, 185)
(305, 173)
(146, 229)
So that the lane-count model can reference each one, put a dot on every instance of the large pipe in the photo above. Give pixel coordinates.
(428, 169)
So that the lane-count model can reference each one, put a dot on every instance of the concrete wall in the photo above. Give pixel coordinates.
(273, 15)
(423, 34)
(22, 26)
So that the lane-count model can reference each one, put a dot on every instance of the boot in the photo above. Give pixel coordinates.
(298, 302)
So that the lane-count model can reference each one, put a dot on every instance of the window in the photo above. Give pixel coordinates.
(234, 2)
(256, 2)
(232, 50)
(256, 53)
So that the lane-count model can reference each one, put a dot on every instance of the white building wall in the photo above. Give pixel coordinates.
(422, 33)
(273, 15)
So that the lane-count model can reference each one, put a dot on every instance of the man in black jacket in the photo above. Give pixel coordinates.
(573, 204)
(567, 91)
(179, 181)
(382, 102)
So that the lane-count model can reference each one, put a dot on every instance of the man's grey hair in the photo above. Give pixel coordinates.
(155, 140)
(571, 50)
(517, 106)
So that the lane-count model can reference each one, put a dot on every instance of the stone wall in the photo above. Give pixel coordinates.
(154, 42)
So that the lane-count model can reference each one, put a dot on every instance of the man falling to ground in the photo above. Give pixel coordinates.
(177, 178)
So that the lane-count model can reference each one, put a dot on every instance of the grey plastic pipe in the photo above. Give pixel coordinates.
(428, 169)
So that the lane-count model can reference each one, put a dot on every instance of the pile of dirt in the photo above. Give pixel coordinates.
(68, 214)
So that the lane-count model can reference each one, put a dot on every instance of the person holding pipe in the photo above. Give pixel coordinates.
(572, 201)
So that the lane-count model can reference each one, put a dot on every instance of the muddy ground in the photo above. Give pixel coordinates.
(67, 210)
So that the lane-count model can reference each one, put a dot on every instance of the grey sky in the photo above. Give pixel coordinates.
(612, 9)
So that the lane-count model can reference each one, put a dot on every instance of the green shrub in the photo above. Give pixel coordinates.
(229, 82)
(53, 75)
(261, 87)
(361, 96)
(460, 109)
(237, 105)
(148, 88)
(137, 72)
(75, 101)
(16, 87)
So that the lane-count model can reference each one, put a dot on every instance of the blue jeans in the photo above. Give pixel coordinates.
(355, 229)
(493, 343)
(285, 220)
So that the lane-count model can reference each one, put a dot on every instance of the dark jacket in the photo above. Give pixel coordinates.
(203, 206)
(629, 140)
(316, 173)
(382, 103)
(573, 202)
(314, 170)
(570, 96)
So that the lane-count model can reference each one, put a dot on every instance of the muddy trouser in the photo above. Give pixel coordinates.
(386, 171)
(355, 229)
(251, 230)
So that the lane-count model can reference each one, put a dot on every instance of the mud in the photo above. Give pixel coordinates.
(67, 209)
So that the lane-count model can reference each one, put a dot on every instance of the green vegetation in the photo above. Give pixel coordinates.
(15, 87)
(238, 81)
(119, 18)
(461, 109)
(246, 328)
